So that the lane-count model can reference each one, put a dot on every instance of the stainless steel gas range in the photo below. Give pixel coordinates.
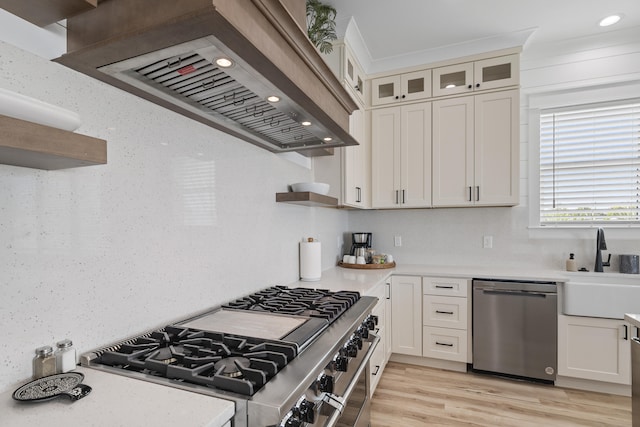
(286, 356)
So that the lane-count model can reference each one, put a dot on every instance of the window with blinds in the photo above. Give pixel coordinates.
(590, 165)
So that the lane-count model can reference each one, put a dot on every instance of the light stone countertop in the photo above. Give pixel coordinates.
(364, 281)
(118, 401)
(634, 319)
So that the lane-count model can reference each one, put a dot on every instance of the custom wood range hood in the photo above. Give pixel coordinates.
(166, 51)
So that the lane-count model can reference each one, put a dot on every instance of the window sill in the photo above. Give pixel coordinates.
(624, 232)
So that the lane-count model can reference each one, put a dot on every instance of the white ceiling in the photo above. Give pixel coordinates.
(392, 29)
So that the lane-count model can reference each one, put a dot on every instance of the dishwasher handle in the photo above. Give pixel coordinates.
(516, 292)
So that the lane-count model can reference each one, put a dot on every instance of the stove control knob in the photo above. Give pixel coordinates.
(363, 331)
(306, 411)
(371, 322)
(352, 349)
(293, 422)
(357, 340)
(325, 384)
(342, 363)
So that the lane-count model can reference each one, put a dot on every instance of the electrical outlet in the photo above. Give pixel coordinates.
(397, 241)
(487, 242)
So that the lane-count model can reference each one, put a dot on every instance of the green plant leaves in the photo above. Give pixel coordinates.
(321, 25)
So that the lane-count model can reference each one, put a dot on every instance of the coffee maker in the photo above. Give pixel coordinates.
(360, 242)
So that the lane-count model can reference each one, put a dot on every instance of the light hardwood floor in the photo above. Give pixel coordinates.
(409, 395)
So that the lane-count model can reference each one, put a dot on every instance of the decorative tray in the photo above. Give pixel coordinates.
(367, 266)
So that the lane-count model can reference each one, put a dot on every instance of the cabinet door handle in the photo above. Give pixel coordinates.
(397, 97)
(388, 290)
(470, 194)
(626, 332)
(396, 197)
(477, 193)
(403, 96)
(477, 84)
(444, 344)
(358, 195)
(470, 87)
(403, 197)
(377, 369)
(444, 312)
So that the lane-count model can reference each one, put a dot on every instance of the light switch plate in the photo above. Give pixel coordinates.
(487, 242)
(397, 241)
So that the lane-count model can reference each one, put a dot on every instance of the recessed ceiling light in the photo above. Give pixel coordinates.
(327, 139)
(610, 20)
(224, 62)
(273, 98)
(305, 123)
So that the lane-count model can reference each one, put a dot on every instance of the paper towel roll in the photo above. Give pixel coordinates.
(310, 261)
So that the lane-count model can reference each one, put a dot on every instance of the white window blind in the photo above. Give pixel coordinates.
(590, 165)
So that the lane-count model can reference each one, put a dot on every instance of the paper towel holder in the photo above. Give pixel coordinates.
(310, 260)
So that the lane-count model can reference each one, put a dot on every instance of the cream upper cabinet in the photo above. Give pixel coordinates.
(401, 156)
(594, 349)
(406, 315)
(401, 88)
(353, 74)
(356, 191)
(485, 74)
(355, 161)
(476, 150)
(347, 68)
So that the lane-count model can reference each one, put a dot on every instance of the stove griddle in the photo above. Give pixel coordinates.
(246, 323)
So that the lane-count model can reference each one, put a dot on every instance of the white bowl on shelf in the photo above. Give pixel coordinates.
(314, 187)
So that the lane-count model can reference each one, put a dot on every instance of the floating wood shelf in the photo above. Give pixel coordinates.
(307, 198)
(32, 145)
(42, 13)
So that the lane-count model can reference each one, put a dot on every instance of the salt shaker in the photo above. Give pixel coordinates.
(44, 364)
(65, 356)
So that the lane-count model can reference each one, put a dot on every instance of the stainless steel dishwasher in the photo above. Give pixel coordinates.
(515, 328)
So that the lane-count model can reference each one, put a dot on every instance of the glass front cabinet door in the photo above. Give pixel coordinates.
(354, 75)
(480, 75)
(497, 72)
(401, 87)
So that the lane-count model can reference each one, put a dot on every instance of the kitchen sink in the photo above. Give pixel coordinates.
(608, 295)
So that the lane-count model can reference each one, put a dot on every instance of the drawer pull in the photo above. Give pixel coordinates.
(444, 344)
(444, 287)
(444, 312)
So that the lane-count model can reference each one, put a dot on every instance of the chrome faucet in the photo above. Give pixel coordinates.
(601, 245)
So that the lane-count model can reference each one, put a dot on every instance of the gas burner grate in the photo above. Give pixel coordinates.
(320, 303)
(202, 357)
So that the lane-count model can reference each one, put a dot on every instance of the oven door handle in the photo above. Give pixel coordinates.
(343, 399)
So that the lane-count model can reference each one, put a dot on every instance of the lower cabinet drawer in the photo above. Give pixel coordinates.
(444, 343)
(444, 312)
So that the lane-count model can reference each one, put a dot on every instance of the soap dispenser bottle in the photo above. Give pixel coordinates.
(571, 264)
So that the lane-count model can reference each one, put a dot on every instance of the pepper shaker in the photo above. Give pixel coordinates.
(44, 364)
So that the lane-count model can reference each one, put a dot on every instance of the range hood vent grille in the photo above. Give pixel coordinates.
(201, 83)
(166, 52)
